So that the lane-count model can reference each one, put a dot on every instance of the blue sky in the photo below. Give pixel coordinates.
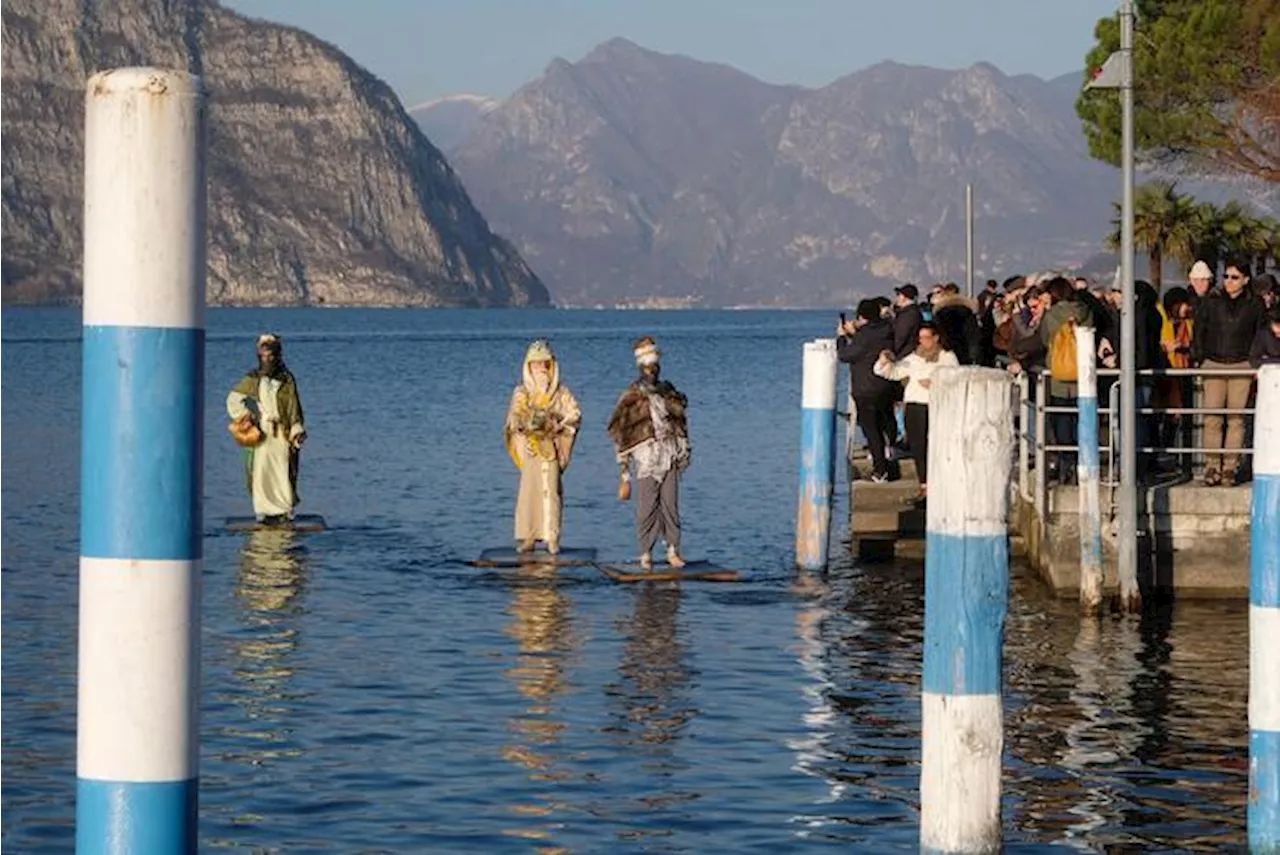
(429, 48)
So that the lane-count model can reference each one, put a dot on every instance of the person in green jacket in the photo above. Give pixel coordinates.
(267, 397)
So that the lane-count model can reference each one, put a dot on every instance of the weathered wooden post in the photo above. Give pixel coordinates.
(1264, 619)
(1087, 471)
(141, 463)
(817, 454)
(966, 598)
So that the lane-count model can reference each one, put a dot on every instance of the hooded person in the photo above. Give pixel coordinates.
(650, 429)
(266, 419)
(540, 431)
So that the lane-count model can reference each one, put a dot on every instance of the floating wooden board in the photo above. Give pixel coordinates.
(507, 556)
(301, 523)
(693, 571)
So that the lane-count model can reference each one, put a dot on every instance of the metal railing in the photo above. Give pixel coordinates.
(1033, 412)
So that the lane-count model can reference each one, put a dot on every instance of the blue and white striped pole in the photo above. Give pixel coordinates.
(966, 593)
(1087, 472)
(1264, 619)
(817, 454)
(141, 463)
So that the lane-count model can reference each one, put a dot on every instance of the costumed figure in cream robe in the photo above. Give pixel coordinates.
(542, 426)
(265, 407)
(650, 428)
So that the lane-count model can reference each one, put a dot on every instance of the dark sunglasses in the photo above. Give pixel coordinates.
(1233, 276)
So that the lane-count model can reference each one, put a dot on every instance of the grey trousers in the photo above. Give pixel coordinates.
(658, 511)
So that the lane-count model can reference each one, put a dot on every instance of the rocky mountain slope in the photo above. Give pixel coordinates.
(321, 188)
(633, 175)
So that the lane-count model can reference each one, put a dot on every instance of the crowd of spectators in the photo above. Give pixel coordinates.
(1225, 329)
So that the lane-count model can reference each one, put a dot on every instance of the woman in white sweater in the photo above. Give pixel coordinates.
(917, 369)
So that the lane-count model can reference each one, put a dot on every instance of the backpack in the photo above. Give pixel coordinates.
(1062, 353)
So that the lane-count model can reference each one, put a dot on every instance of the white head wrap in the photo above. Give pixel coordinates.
(647, 353)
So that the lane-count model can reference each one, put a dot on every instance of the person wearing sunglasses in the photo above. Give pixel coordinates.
(1225, 325)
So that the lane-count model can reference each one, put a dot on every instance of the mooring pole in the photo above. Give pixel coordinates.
(141, 463)
(1087, 472)
(1264, 619)
(965, 602)
(817, 454)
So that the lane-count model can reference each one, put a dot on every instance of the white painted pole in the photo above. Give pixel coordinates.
(817, 454)
(1264, 619)
(1087, 471)
(966, 599)
(141, 463)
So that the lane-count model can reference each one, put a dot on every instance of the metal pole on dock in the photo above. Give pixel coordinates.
(966, 600)
(817, 454)
(1087, 470)
(1127, 551)
(1264, 620)
(968, 238)
(141, 463)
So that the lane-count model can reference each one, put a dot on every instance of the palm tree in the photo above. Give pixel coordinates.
(1209, 239)
(1165, 222)
(1242, 235)
(1269, 227)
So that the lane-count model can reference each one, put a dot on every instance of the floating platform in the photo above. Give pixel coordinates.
(693, 571)
(507, 556)
(300, 523)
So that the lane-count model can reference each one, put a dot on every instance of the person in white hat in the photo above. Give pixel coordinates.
(649, 428)
(540, 431)
(266, 416)
(1201, 278)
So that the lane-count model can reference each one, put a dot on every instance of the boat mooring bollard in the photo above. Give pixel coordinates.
(141, 465)
(1087, 471)
(965, 600)
(817, 454)
(1264, 619)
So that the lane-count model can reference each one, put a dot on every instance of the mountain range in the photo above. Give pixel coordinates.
(633, 177)
(322, 189)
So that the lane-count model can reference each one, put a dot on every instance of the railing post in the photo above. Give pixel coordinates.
(1087, 488)
(1042, 480)
(817, 454)
(141, 465)
(966, 600)
(1024, 434)
(1264, 619)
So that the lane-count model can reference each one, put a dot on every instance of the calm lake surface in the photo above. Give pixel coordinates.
(365, 691)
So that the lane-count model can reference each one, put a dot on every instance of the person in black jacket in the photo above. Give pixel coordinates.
(859, 345)
(1266, 342)
(907, 319)
(1148, 354)
(1225, 325)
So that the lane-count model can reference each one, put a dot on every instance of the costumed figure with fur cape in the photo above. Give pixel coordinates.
(541, 428)
(266, 420)
(649, 428)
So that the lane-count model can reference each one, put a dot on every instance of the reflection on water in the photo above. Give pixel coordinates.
(542, 626)
(271, 578)
(652, 689)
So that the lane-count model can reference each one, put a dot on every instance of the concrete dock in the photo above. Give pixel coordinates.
(1194, 539)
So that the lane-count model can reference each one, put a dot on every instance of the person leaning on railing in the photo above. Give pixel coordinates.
(1226, 322)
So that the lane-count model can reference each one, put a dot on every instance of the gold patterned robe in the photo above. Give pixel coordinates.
(541, 428)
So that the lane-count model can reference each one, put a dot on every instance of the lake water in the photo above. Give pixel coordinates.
(365, 691)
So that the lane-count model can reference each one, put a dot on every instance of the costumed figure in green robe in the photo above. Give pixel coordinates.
(266, 416)
(649, 428)
(540, 431)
